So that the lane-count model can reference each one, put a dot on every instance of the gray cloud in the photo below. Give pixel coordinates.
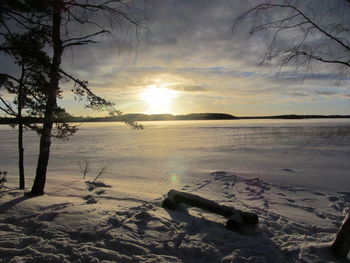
(192, 50)
(190, 88)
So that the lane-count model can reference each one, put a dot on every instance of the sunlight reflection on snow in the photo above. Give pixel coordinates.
(174, 177)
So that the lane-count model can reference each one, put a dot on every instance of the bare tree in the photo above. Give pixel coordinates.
(102, 170)
(302, 33)
(84, 166)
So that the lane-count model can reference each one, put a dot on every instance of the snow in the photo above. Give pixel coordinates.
(315, 151)
(74, 222)
(120, 219)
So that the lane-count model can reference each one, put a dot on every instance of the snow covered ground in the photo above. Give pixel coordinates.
(78, 222)
(294, 176)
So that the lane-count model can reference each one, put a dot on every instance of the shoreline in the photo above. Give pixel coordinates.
(168, 117)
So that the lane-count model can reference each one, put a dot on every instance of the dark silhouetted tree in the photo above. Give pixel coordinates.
(28, 87)
(68, 24)
(302, 33)
(9, 83)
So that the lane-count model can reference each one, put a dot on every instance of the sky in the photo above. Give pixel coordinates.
(190, 61)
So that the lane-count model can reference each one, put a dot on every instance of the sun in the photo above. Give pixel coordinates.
(158, 98)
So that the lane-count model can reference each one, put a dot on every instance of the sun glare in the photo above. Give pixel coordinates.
(158, 98)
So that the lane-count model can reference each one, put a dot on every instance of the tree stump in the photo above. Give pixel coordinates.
(237, 220)
(341, 244)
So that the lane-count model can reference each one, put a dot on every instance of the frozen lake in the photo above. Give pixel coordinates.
(303, 153)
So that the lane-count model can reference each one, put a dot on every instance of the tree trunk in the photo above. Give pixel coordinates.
(243, 222)
(45, 139)
(21, 156)
(20, 132)
(341, 244)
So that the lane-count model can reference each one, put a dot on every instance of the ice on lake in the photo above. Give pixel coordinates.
(293, 174)
(302, 153)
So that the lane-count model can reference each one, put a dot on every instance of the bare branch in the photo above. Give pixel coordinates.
(8, 110)
(105, 6)
(95, 101)
(80, 43)
(310, 56)
(341, 43)
(78, 81)
(102, 170)
(86, 37)
(265, 6)
(309, 40)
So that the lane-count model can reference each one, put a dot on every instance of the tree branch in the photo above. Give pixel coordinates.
(4, 75)
(310, 56)
(266, 6)
(78, 81)
(87, 36)
(9, 110)
(105, 6)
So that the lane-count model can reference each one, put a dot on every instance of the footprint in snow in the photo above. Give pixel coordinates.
(90, 199)
(55, 207)
(290, 200)
(288, 170)
(333, 198)
(48, 216)
(318, 193)
(100, 192)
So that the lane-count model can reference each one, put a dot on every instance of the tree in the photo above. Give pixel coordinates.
(302, 33)
(25, 50)
(10, 83)
(59, 18)
(28, 88)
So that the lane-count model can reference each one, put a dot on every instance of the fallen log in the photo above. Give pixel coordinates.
(341, 244)
(237, 220)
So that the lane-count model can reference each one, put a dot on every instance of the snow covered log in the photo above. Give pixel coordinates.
(341, 244)
(238, 220)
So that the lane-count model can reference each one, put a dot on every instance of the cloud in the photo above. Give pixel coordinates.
(190, 88)
(333, 94)
(191, 49)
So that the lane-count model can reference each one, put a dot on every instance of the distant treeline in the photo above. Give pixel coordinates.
(167, 117)
(296, 117)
